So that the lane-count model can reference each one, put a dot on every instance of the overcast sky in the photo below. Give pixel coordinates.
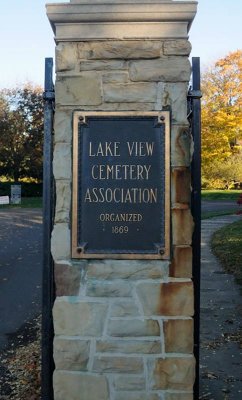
(26, 37)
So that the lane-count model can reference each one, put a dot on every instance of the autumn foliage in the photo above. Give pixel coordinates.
(21, 132)
(222, 123)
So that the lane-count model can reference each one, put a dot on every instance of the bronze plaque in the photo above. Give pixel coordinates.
(121, 185)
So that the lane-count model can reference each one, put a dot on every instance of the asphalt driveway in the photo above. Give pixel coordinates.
(20, 269)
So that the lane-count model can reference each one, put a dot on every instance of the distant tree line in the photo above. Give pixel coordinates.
(21, 133)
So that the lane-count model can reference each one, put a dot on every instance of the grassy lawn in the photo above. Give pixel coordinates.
(26, 202)
(227, 246)
(232, 195)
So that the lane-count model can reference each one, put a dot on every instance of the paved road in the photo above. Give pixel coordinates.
(221, 320)
(20, 269)
(221, 205)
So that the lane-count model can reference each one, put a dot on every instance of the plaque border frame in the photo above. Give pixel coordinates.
(163, 117)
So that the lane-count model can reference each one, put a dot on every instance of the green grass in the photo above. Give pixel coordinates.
(26, 202)
(227, 246)
(232, 195)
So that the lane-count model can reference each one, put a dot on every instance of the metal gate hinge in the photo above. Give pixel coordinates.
(195, 94)
(49, 95)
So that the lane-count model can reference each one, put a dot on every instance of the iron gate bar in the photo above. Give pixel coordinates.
(194, 98)
(47, 280)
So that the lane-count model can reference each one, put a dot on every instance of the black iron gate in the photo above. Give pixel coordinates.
(194, 117)
(48, 213)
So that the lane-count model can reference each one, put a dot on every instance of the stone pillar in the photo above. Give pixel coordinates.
(123, 328)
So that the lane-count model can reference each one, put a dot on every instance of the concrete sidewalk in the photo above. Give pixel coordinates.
(221, 320)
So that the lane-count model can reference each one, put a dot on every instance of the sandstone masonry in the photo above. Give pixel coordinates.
(123, 328)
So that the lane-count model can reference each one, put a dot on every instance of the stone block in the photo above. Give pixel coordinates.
(67, 279)
(179, 47)
(179, 396)
(128, 270)
(172, 373)
(180, 185)
(182, 227)
(63, 126)
(102, 65)
(83, 50)
(124, 309)
(109, 289)
(181, 147)
(130, 92)
(129, 383)
(181, 264)
(133, 328)
(73, 385)
(66, 57)
(178, 336)
(60, 242)
(171, 298)
(165, 69)
(62, 161)
(71, 354)
(129, 346)
(79, 90)
(125, 49)
(73, 317)
(115, 77)
(114, 364)
(136, 396)
(63, 200)
(173, 96)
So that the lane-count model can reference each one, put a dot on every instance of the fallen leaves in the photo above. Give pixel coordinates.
(20, 379)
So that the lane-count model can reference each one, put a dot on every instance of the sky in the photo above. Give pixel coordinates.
(26, 37)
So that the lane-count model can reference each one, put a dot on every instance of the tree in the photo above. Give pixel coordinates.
(221, 111)
(21, 132)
